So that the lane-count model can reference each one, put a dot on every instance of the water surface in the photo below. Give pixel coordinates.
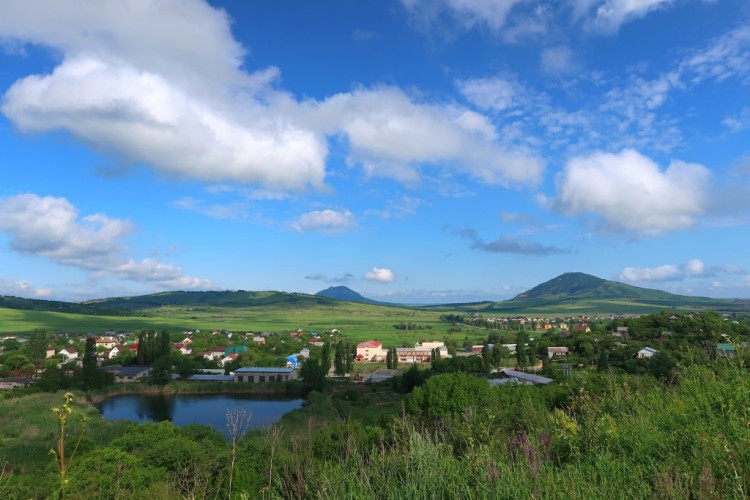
(208, 409)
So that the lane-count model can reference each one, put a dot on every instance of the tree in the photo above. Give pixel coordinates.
(325, 358)
(313, 373)
(89, 364)
(36, 347)
(522, 350)
(339, 359)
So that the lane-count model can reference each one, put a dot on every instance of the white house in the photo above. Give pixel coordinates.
(106, 342)
(647, 352)
(68, 354)
(557, 351)
(184, 350)
(114, 352)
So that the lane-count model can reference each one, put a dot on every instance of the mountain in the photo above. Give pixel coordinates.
(584, 292)
(569, 286)
(230, 299)
(10, 302)
(345, 293)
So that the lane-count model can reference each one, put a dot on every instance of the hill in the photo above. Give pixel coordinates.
(580, 291)
(225, 299)
(10, 302)
(345, 293)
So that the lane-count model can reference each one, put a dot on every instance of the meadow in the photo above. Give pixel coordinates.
(357, 322)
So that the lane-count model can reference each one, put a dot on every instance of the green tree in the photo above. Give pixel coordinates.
(90, 379)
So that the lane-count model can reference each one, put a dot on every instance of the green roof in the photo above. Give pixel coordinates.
(725, 347)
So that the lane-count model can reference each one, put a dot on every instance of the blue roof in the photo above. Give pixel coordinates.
(266, 369)
(523, 377)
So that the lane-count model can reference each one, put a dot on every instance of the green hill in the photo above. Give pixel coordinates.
(227, 299)
(10, 302)
(580, 291)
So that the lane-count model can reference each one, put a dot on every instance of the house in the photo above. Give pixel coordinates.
(647, 352)
(557, 351)
(421, 352)
(228, 359)
(106, 342)
(187, 341)
(582, 327)
(127, 374)
(371, 350)
(261, 375)
(620, 331)
(511, 347)
(509, 376)
(13, 383)
(259, 340)
(214, 353)
(184, 350)
(68, 354)
(726, 350)
(50, 352)
(114, 352)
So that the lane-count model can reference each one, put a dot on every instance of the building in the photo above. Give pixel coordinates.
(509, 376)
(647, 352)
(13, 383)
(106, 342)
(620, 331)
(68, 354)
(372, 350)
(557, 351)
(127, 374)
(421, 352)
(726, 350)
(261, 375)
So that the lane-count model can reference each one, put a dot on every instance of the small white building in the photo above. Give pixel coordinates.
(647, 352)
(557, 351)
(68, 354)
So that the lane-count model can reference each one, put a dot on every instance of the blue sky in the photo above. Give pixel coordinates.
(416, 151)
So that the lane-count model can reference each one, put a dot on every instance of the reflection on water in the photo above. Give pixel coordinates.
(204, 409)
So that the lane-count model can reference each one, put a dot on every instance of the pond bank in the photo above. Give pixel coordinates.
(290, 389)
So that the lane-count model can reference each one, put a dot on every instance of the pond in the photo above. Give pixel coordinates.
(208, 409)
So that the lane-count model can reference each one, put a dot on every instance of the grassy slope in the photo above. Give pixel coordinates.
(357, 321)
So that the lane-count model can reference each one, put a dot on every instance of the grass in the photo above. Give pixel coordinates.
(358, 322)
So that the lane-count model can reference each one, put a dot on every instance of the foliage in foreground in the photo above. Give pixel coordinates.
(598, 437)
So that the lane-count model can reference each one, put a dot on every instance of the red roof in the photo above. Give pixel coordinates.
(369, 343)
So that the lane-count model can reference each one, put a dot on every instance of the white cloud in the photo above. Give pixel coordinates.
(380, 274)
(393, 136)
(629, 192)
(22, 289)
(611, 14)
(148, 86)
(51, 227)
(325, 221)
(494, 94)
(662, 273)
(692, 269)
(726, 56)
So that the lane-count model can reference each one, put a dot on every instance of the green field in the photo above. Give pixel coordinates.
(356, 321)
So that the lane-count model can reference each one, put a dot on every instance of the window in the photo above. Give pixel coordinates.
(261, 378)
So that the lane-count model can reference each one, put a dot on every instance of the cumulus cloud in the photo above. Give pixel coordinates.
(51, 227)
(169, 91)
(325, 221)
(22, 289)
(380, 275)
(627, 191)
(391, 135)
(509, 244)
(494, 93)
(694, 268)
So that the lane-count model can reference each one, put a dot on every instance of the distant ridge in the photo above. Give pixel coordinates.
(586, 286)
(345, 293)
